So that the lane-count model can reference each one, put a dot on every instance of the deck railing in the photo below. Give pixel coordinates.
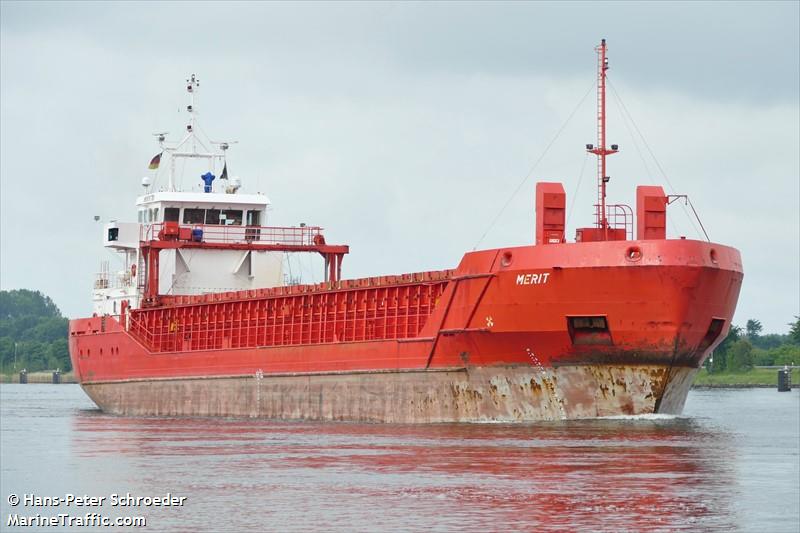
(112, 280)
(231, 233)
(619, 216)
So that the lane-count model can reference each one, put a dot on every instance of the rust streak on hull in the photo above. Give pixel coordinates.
(479, 394)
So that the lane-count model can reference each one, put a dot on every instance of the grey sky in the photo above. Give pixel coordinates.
(402, 128)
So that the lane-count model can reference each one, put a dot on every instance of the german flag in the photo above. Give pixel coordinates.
(155, 162)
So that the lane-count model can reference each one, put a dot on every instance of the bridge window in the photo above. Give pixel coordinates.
(171, 214)
(231, 217)
(194, 216)
(254, 218)
(212, 216)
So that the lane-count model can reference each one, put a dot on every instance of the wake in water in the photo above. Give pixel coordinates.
(649, 416)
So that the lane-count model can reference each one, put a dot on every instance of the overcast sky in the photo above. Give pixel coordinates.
(402, 128)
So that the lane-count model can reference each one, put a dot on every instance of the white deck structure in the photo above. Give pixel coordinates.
(219, 211)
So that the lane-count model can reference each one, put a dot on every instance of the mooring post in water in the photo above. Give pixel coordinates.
(56, 377)
(23, 376)
(785, 379)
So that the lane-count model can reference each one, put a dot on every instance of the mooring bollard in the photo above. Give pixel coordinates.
(56, 377)
(784, 380)
(23, 376)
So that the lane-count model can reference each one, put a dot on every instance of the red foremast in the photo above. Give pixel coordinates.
(600, 150)
(603, 231)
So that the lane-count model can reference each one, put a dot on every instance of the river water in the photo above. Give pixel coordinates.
(730, 463)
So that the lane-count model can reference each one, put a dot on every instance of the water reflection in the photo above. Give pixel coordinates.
(615, 475)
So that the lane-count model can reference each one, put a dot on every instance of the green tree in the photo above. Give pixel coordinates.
(753, 328)
(787, 354)
(22, 302)
(794, 332)
(32, 332)
(739, 356)
(769, 341)
(718, 360)
(762, 357)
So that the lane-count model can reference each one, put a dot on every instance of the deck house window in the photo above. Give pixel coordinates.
(171, 214)
(254, 218)
(232, 217)
(194, 216)
(212, 216)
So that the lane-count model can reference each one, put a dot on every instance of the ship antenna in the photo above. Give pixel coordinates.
(600, 150)
(192, 84)
(188, 146)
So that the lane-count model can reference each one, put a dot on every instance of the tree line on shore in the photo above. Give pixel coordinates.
(33, 335)
(744, 348)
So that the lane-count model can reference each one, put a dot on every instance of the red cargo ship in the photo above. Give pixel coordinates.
(200, 322)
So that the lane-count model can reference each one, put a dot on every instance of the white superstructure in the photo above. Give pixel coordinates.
(220, 213)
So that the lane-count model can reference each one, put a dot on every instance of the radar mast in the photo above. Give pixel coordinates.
(600, 150)
(192, 146)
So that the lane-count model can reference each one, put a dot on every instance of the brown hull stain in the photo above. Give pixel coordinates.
(476, 394)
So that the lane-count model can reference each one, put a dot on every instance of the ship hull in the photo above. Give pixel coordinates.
(522, 334)
(481, 394)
